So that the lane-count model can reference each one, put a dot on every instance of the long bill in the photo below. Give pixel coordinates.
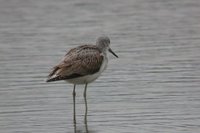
(110, 50)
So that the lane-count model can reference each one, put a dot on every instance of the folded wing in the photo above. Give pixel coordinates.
(81, 61)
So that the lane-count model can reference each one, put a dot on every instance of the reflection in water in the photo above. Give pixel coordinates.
(74, 112)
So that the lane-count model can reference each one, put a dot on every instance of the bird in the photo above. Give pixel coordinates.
(83, 64)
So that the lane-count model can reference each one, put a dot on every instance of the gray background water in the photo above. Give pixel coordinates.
(153, 87)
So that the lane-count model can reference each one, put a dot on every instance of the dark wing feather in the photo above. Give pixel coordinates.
(80, 61)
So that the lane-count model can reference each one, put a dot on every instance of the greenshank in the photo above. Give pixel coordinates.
(83, 65)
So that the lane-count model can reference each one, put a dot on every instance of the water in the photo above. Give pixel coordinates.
(153, 87)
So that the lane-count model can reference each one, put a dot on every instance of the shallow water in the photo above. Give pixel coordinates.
(153, 87)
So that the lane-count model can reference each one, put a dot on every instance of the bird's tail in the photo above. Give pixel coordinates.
(53, 78)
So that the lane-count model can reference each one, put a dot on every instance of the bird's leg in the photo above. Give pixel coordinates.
(86, 107)
(74, 102)
(85, 90)
(85, 119)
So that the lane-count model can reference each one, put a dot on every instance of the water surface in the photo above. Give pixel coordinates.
(153, 87)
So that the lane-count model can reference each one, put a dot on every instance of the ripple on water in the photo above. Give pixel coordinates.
(152, 87)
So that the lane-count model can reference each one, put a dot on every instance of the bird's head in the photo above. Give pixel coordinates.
(103, 43)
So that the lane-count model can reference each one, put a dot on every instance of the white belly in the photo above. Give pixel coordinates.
(90, 78)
